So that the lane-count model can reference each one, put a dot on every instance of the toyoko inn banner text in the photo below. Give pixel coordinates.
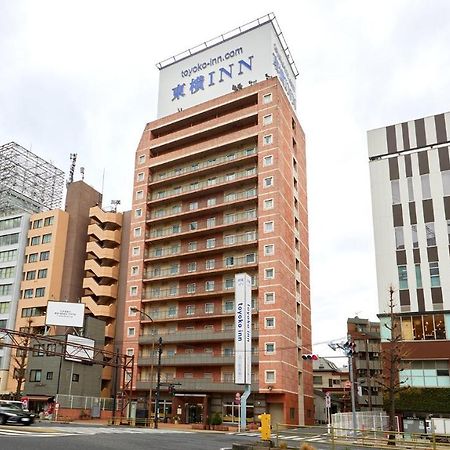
(235, 63)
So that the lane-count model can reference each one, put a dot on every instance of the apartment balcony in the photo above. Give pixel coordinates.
(238, 200)
(188, 293)
(231, 159)
(107, 373)
(223, 266)
(193, 314)
(101, 234)
(202, 187)
(242, 241)
(92, 287)
(92, 266)
(179, 232)
(192, 359)
(200, 385)
(110, 331)
(99, 310)
(193, 336)
(361, 364)
(103, 252)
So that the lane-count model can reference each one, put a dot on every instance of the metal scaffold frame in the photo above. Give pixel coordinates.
(28, 182)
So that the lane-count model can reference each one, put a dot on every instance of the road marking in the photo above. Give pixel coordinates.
(113, 430)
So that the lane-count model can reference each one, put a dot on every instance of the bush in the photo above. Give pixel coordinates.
(436, 400)
(216, 419)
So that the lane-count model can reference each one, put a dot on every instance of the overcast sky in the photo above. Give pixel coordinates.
(80, 77)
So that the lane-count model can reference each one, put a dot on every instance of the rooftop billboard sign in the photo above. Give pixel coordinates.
(65, 314)
(234, 60)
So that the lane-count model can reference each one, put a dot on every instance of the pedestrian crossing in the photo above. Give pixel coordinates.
(83, 430)
(286, 437)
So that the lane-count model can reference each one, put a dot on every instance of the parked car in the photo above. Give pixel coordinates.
(11, 413)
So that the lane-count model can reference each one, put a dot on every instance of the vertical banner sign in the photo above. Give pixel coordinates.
(243, 329)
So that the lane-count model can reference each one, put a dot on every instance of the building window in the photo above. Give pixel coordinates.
(418, 276)
(402, 277)
(139, 195)
(395, 187)
(42, 273)
(268, 227)
(211, 243)
(4, 307)
(269, 274)
(133, 290)
(268, 181)
(49, 376)
(228, 306)
(269, 348)
(134, 270)
(193, 226)
(210, 264)
(268, 204)
(28, 293)
(37, 224)
(434, 274)
(269, 322)
(211, 201)
(190, 288)
(426, 189)
(229, 261)
(46, 238)
(192, 246)
(190, 310)
(49, 221)
(431, 236)
(211, 222)
(269, 249)
(269, 297)
(193, 206)
(415, 238)
(130, 351)
(268, 160)
(270, 376)
(230, 176)
(75, 377)
(209, 286)
(35, 240)
(141, 159)
(33, 257)
(229, 283)
(267, 98)
(140, 176)
(399, 238)
(250, 258)
(40, 292)
(35, 375)
(209, 308)
(45, 256)
(192, 267)
(268, 139)
(136, 251)
(267, 120)
(137, 232)
(31, 275)
(131, 331)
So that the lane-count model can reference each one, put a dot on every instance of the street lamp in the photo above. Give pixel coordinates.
(133, 309)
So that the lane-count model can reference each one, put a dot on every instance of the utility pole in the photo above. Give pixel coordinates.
(158, 383)
(369, 383)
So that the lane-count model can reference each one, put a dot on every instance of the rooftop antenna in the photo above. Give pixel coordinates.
(73, 158)
(114, 204)
(82, 172)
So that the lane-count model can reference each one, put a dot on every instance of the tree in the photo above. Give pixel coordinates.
(392, 355)
(20, 363)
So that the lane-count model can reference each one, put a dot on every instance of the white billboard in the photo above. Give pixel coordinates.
(65, 314)
(243, 329)
(217, 69)
(82, 350)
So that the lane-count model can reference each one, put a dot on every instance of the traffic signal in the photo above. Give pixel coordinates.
(310, 357)
(265, 426)
(350, 348)
(171, 390)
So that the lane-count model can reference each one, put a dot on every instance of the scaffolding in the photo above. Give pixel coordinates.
(28, 182)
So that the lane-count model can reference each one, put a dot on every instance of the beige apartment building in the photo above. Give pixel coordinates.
(220, 188)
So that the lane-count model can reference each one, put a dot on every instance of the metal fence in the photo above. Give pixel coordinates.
(365, 420)
(82, 402)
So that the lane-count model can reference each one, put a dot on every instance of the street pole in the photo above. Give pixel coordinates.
(369, 383)
(352, 391)
(158, 383)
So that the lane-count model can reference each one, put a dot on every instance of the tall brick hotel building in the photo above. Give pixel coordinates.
(220, 189)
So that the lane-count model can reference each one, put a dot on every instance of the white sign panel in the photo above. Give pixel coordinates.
(242, 60)
(76, 352)
(65, 314)
(243, 329)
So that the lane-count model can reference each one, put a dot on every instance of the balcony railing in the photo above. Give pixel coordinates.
(226, 263)
(197, 384)
(193, 359)
(178, 229)
(192, 187)
(203, 165)
(176, 211)
(228, 241)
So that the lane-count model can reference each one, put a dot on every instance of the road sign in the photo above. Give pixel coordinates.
(327, 401)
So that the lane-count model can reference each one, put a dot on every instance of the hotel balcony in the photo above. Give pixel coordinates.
(201, 187)
(103, 235)
(105, 217)
(92, 266)
(92, 287)
(198, 384)
(232, 158)
(103, 252)
(99, 310)
(223, 266)
(237, 200)
(193, 359)
(242, 241)
(177, 231)
(193, 336)
(182, 293)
